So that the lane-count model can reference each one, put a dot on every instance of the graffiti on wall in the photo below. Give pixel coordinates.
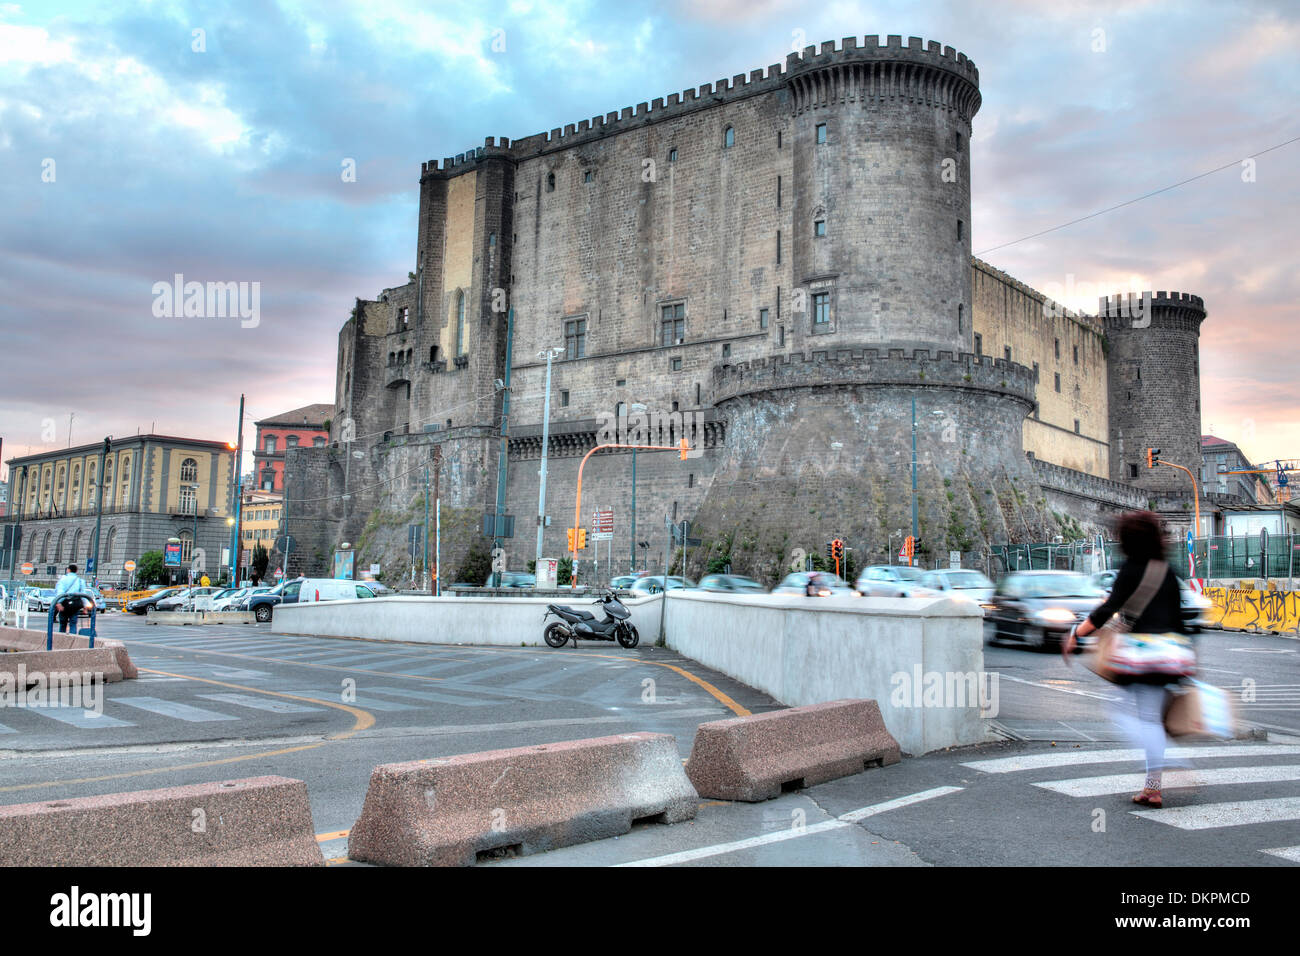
(1245, 609)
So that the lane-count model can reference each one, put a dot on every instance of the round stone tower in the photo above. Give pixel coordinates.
(1154, 377)
(881, 193)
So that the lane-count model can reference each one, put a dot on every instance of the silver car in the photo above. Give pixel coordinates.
(961, 583)
(828, 584)
(893, 580)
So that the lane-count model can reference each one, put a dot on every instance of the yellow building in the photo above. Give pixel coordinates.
(259, 520)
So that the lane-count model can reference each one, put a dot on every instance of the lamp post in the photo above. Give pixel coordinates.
(194, 540)
(548, 354)
(638, 408)
(239, 497)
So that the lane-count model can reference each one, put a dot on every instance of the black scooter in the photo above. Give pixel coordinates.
(574, 624)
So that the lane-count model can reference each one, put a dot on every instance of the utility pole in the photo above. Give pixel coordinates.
(497, 519)
(427, 569)
(914, 517)
(546, 441)
(638, 408)
(437, 555)
(99, 502)
(239, 497)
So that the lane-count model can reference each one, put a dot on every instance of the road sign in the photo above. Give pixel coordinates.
(27, 568)
(129, 566)
(90, 565)
(286, 543)
(279, 573)
(602, 522)
(954, 559)
(504, 529)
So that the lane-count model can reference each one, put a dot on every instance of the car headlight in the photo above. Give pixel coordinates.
(1055, 615)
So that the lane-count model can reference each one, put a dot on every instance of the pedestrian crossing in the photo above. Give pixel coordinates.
(1207, 788)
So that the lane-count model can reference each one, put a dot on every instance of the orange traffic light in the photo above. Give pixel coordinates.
(570, 537)
(582, 539)
(1153, 457)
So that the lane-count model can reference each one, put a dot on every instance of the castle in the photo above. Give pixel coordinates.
(777, 268)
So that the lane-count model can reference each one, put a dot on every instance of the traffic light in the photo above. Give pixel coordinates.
(837, 549)
(685, 446)
(909, 548)
(582, 539)
(830, 550)
(569, 532)
(1153, 457)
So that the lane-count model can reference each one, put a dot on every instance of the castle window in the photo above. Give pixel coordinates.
(778, 247)
(697, 394)
(821, 310)
(492, 239)
(778, 192)
(1058, 380)
(433, 353)
(674, 364)
(588, 176)
(460, 323)
(550, 182)
(958, 137)
(674, 408)
(778, 139)
(819, 227)
(404, 314)
(1035, 373)
(621, 382)
(959, 229)
(672, 325)
(1056, 344)
(729, 137)
(726, 350)
(821, 133)
(1006, 353)
(961, 309)
(979, 344)
(1076, 355)
(1076, 426)
(672, 155)
(575, 338)
(690, 480)
(564, 402)
(762, 318)
(782, 340)
(1132, 471)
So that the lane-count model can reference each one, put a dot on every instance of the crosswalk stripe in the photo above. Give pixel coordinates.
(172, 708)
(1291, 853)
(261, 703)
(82, 719)
(430, 696)
(1122, 783)
(370, 703)
(485, 672)
(1069, 758)
(1210, 816)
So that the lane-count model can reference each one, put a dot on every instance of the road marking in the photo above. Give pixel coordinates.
(1122, 783)
(1210, 816)
(840, 822)
(1120, 755)
(432, 696)
(274, 706)
(336, 835)
(1291, 853)
(81, 719)
(324, 696)
(1064, 690)
(362, 720)
(174, 709)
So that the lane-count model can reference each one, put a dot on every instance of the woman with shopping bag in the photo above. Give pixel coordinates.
(1146, 648)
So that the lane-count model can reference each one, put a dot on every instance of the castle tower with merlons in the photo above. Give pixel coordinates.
(776, 267)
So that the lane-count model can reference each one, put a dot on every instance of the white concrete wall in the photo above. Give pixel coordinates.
(810, 650)
(447, 620)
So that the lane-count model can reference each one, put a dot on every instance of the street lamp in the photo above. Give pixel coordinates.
(636, 407)
(548, 354)
(194, 541)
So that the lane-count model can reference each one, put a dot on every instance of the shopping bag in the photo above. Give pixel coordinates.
(1138, 655)
(1201, 710)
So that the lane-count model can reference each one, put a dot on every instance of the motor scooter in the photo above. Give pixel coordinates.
(574, 624)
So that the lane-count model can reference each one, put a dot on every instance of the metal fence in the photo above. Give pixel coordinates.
(1242, 556)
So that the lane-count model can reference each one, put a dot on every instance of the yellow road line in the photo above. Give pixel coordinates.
(363, 721)
(336, 835)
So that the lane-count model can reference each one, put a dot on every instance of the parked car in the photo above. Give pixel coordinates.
(733, 583)
(623, 581)
(241, 603)
(262, 604)
(1038, 608)
(959, 582)
(513, 579)
(654, 583)
(892, 580)
(1195, 606)
(145, 604)
(831, 585)
(176, 601)
(332, 589)
(40, 600)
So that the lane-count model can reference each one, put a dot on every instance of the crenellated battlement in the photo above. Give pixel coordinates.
(926, 72)
(1168, 308)
(891, 367)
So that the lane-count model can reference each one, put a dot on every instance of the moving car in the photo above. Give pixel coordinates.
(959, 582)
(892, 580)
(733, 583)
(145, 604)
(1038, 608)
(831, 585)
(623, 581)
(513, 579)
(654, 583)
(1196, 606)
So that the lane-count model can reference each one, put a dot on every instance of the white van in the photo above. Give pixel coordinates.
(331, 589)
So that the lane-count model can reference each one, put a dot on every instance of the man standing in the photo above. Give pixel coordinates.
(69, 606)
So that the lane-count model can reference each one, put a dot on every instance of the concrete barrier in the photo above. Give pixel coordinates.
(448, 620)
(813, 650)
(1257, 611)
(453, 811)
(257, 821)
(17, 639)
(21, 669)
(756, 758)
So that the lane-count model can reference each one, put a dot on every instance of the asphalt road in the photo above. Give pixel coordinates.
(216, 703)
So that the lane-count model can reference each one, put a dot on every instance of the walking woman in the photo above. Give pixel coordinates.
(1147, 592)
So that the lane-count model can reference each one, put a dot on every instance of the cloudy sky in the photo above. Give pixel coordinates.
(133, 148)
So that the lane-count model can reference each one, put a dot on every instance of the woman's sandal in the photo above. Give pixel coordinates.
(1149, 798)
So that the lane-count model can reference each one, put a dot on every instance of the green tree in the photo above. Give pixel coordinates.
(260, 560)
(564, 571)
(477, 565)
(149, 568)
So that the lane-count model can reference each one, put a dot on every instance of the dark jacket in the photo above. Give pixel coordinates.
(1162, 616)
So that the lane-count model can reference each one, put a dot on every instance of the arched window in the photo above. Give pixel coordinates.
(58, 548)
(189, 470)
(729, 137)
(109, 542)
(45, 548)
(187, 546)
(108, 483)
(550, 182)
(347, 383)
(124, 481)
(74, 501)
(75, 553)
(269, 445)
(460, 322)
(31, 547)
